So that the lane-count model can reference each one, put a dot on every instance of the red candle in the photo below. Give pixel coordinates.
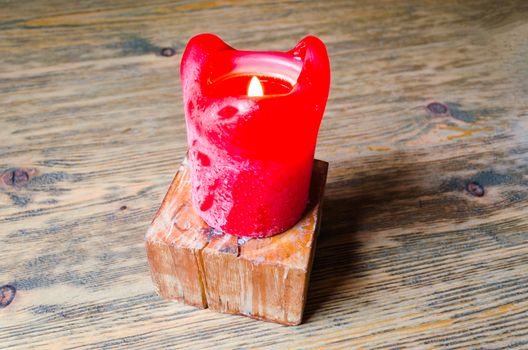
(252, 123)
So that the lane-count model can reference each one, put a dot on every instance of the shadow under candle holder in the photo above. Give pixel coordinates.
(357, 209)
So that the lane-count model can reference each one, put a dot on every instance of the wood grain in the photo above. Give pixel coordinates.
(92, 118)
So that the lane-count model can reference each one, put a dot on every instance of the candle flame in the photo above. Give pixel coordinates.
(255, 88)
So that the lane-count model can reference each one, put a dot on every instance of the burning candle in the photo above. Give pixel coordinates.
(252, 122)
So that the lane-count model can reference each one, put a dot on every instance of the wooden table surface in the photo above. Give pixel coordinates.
(424, 241)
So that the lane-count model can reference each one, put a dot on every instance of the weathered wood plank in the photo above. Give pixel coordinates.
(91, 114)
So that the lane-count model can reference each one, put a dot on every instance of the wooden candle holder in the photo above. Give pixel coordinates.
(265, 278)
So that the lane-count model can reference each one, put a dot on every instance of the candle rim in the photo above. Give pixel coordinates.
(210, 48)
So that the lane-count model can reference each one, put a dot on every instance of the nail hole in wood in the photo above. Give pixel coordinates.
(167, 52)
(437, 108)
(475, 189)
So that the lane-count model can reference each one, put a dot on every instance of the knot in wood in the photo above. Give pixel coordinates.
(17, 177)
(7, 294)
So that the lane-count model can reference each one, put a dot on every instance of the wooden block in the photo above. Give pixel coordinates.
(265, 278)
(174, 241)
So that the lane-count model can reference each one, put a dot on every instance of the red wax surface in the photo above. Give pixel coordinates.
(251, 157)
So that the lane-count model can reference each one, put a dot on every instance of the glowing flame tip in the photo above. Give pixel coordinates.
(255, 88)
